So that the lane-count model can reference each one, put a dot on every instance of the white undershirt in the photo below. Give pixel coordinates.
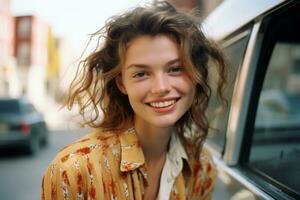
(172, 168)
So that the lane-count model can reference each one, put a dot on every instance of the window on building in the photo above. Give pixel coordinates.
(24, 28)
(23, 53)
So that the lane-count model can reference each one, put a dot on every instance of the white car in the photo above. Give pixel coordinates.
(257, 145)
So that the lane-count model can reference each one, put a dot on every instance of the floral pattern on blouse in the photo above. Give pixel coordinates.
(111, 166)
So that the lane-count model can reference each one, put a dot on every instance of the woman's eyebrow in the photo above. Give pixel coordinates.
(147, 66)
(173, 61)
(137, 65)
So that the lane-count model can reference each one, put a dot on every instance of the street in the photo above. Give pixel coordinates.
(21, 174)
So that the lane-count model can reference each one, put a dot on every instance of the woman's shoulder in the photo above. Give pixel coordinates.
(206, 157)
(206, 164)
(78, 164)
(89, 145)
(204, 174)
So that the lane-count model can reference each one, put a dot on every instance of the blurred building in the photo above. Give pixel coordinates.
(184, 4)
(53, 66)
(69, 60)
(208, 6)
(31, 52)
(204, 6)
(8, 77)
(6, 30)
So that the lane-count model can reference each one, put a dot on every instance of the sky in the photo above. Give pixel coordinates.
(74, 19)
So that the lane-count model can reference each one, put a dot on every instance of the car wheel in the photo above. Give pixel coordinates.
(44, 141)
(33, 146)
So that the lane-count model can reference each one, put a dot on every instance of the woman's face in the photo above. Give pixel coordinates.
(158, 88)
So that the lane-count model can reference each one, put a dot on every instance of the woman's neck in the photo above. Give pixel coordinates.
(154, 141)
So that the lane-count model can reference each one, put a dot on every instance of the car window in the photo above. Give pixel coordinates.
(28, 108)
(234, 50)
(7, 107)
(276, 140)
(275, 147)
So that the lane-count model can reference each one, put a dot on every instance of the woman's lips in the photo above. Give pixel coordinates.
(163, 105)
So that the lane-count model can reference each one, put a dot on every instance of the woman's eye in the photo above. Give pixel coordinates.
(139, 75)
(176, 70)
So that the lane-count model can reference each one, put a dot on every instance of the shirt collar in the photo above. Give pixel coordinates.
(178, 157)
(176, 149)
(132, 156)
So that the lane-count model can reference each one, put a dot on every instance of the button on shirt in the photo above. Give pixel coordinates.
(108, 165)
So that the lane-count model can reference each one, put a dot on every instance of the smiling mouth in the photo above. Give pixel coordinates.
(163, 104)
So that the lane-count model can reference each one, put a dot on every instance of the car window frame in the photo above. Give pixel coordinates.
(243, 33)
(258, 178)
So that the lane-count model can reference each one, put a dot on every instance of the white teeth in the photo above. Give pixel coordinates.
(162, 104)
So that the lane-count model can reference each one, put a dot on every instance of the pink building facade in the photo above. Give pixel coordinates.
(31, 52)
(6, 29)
(31, 41)
(8, 75)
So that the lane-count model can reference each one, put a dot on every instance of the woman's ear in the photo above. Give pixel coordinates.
(120, 84)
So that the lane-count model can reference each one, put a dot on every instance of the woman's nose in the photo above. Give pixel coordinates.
(160, 85)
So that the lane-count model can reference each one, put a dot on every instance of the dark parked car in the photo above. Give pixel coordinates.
(257, 147)
(21, 125)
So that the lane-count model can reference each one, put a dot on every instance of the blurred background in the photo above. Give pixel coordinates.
(41, 42)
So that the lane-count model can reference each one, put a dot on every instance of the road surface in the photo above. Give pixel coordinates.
(21, 174)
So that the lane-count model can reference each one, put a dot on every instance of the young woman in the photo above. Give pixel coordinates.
(150, 80)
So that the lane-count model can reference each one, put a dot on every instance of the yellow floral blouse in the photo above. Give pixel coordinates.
(107, 166)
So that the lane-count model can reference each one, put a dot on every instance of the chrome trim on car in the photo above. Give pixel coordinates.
(235, 38)
(235, 173)
(240, 100)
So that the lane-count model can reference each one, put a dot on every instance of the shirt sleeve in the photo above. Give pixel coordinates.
(208, 197)
(58, 183)
(69, 178)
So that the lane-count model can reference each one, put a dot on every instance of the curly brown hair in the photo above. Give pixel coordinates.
(94, 88)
